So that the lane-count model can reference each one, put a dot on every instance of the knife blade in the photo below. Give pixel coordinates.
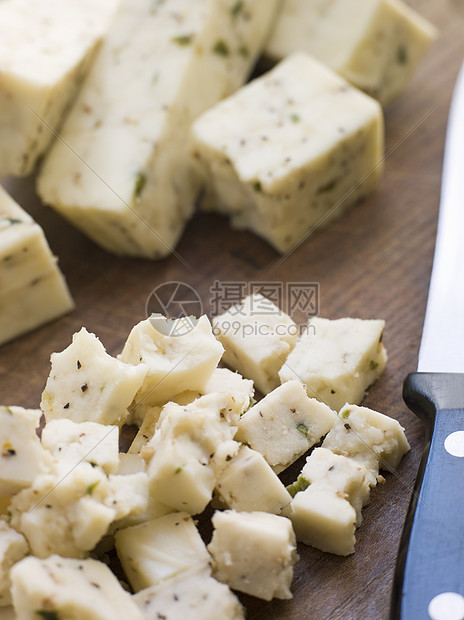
(429, 577)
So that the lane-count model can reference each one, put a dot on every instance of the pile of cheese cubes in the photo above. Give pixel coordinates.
(297, 145)
(202, 439)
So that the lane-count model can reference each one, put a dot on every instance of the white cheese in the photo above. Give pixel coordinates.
(13, 548)
(285, 424)
(324, 519)
(257, 337)
(182, 470)
(175, 59)
(71, 443)
(175, 363)
(46, 48)
(290, 151)
(87, 384)
(344, 475)
(248, 483)
(254, 552)
(67, 588)
(33, 290)
(22, 457)
(369, 437)
(375, 44)
(337, 360)
(191, 594)
(159, 549)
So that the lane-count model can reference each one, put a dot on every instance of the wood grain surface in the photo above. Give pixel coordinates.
(373, 263)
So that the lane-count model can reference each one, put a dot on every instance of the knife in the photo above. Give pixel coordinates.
(429, 577)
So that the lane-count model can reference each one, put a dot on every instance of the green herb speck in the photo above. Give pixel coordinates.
(300, 484)
(373, 365)
(7, 410)
(140, 181)
(295, 118)
(402, 55)
(257, 186)
(221, 49)
(345, 413)
(12, 220)
(47, 615)
(91, 488)
(237, 9)
(178, 470)
(328, 187)
(303, 429)
(183, 40)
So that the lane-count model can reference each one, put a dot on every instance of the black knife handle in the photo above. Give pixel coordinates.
(431, 556)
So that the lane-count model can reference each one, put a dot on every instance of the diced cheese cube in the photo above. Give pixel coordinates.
(181, 470)
(137, 201)
(337, 360)
(340, 473)
(175, 363)
(156, 550)
(46, 48)
(290, 151)
(33, 290)
(285, 424)
(376, 45)
(61, 587)
(13, 548)
(248, 483)
(241, 390)
(71, 443)
(254, 552)
(324, 519)
(87, 384)
(22, 457)
(371, 438)
(257, 338)
(191, 594)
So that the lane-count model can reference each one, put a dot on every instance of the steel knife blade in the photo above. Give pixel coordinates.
(429, 578)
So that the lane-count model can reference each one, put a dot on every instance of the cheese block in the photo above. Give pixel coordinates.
(181, 452)
(375, 44)
(88, 385)
(248, 483)
(371, 438)
(344, 475)
(175, 363)
(254, 552)
(257, 337)
(13, 548)
(161, 65)
(61, 587)
(290, 151)
(46, 48)
(285, 424)
(337, 360)
(71, 443)
(22, 457)
(324, 519)
(32, 288)
(191, 594)
(159, 549)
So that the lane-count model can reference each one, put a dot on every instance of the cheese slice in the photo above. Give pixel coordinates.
(46, 48)
(32, 288)
(289, 151)
(375, 44)
(124, 172)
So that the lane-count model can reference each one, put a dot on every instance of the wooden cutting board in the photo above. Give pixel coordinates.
(373, 263)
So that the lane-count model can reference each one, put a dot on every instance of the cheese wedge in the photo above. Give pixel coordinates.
(375, 44)
(46, 48)
(290, 151)
(124, 172)
(32, 288)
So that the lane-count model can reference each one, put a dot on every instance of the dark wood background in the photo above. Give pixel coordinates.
(373, 263)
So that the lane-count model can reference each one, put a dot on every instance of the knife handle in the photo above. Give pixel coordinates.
(429, 579)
